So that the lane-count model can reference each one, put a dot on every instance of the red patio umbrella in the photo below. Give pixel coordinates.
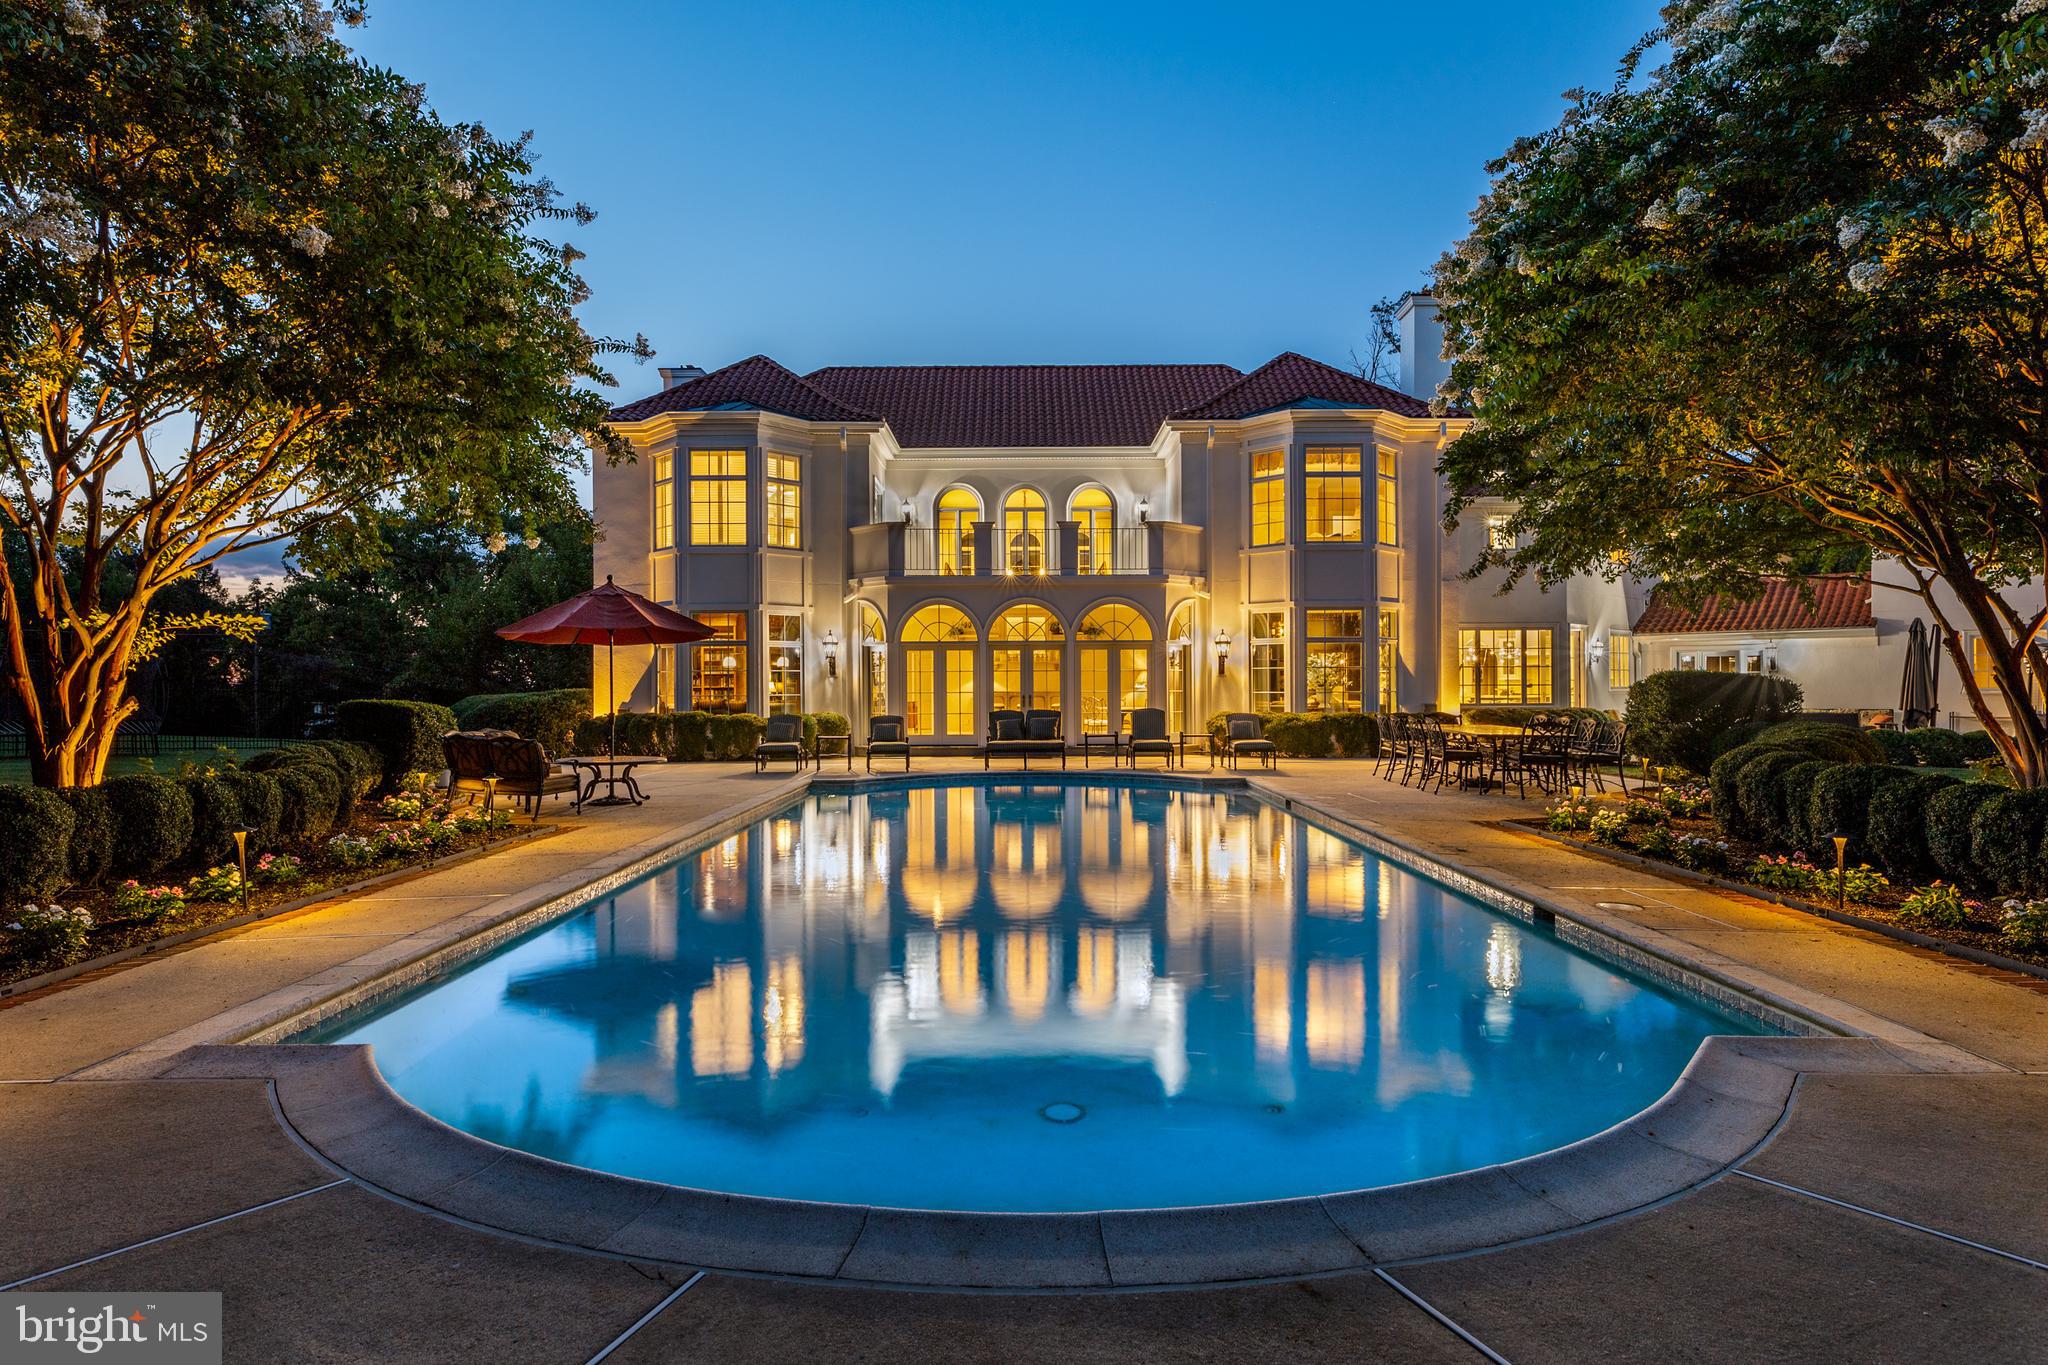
(610, 616)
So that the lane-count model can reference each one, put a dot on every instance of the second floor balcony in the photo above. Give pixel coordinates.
(1066, 549)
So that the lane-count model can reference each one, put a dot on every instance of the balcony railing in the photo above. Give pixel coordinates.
(1065, 550)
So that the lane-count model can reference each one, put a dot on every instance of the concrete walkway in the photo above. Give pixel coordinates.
(1892, 1217)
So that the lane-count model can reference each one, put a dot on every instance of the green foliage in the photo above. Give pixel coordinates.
(1735, 736)
(1840, 804)
(311, 795)
(1940, 906)
(1842, 743)
(1721, 780)
(262, 803)
(216, 813)
(1796, 800)
(405, 735)
(92, 834)
(1898, 748)
(360, 767)
(2005, 841)
(35, 843)
(51, 935)
(1675, 716)
(1523, 715)
(1948, 748)
(1759, 795)
(1346, 734)
(152, 822)
(734, 736)
(550, 717)
(2023, 926)
(832, 723)
(693, 736)
(1951, 824)
(1898, 825)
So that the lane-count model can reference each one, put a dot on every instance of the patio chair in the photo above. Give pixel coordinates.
(886, 737)
(1600, 744)
(1021, 734)
(1148, 735)
(784, 738)
(1244, 733)
(1446, 754)
(523, 769)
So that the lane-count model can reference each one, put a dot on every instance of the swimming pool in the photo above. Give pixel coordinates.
(1029, 994)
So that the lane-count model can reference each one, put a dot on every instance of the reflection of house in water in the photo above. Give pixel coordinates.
(1234, 954)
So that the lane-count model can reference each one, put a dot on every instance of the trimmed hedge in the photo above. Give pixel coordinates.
(1759, 798)
(1339, 734)
(1840, 804)
(92, 834)
(1675, 716)
(152, 822)
(406, 735)
(361, 769)
(1522, 715)
(216, 814)
(262, 801)
(1842, 743)
(1898, 825)
(1722, 776)
(1898, 748)
(312, 795)
(693, 736)
(35, 843)
(1798, 782)
(2005, 841)
(1951, 818)
(550, 717)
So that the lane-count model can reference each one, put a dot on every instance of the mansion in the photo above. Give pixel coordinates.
(940, 541)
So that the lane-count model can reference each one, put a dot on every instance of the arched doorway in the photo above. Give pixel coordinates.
(873, 661)
(1025, 645)
(1180, 648)
(957, 511)
(1116, 666)
(1094, 511)
(938, 673)
(1024, 532)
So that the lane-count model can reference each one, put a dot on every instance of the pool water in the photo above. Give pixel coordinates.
(1034, 995)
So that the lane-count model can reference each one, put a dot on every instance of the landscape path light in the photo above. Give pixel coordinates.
(242, 833)
(1841, 842)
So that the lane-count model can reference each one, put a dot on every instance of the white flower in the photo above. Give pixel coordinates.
(1687, 200)
(311, 240)
(1959, 137)
(2036, 132)
(438, 209)
(1657, 216)
(1865, 276)
(85, 21)
(1850, 232)
(531, 540)
(497, 543)
(1843, 48)
(2025, 8)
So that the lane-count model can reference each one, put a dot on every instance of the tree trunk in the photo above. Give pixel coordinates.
(73, 696)
(2021, 734)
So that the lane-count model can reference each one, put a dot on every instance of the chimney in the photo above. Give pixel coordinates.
(672, 375)
(1422, 346)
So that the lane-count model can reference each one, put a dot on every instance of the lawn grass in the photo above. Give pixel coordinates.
(173, 751)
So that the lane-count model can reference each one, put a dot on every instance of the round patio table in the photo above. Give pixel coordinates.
(613, 771)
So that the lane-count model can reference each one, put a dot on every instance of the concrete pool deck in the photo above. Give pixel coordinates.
(1894, 1212)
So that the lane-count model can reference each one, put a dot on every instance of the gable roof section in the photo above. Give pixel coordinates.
(967, 406)
(756, 382)
(1287, 379)
(1840, 601)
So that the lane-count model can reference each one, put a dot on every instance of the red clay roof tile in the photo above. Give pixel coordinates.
(1840, 601)
(757, 382)
(1288, 378)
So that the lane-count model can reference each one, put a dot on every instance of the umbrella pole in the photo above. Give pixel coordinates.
(611, 687)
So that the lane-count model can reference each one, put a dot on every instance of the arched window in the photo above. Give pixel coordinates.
(938, 624)
(1180, 646)
(874, 658)
(954, 516)
(1024, 659)
(1115, 621)
(1027, 621)
(1024, 531)
(1095, 511)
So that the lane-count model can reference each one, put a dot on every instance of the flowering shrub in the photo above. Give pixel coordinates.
(351, 850)
(51, 931)
(1685, 800)
(1569, 815)
(1780, 873)
(1939, 906)
(2024, 926)
(277, 869)
(1700, 853)
(1860, 883)
(136, 901)
(217, 884)
(404, 806)
(1647, 813)
(1608, 825)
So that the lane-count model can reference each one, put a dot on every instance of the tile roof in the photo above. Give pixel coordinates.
(961, 406)
(756, 382)
(1288, 378)
(1839, 601)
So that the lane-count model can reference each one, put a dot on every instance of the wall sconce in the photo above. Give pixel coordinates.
(878, 649)
(1597, 650)
(1144, 510)
(1222, 652)
(831, 647)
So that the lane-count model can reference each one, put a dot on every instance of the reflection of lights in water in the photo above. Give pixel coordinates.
(784, 837)
(1095, 971)
(1336, 1012)
(1503, 959)
(1387, 885)
(1272, 1007)
(722, 1023)
(782, 1014)
(1026, 971)
(1134, 969)
(668, 1030)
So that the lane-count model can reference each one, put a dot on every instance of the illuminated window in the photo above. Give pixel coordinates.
(1390, 657)
(1112, 672)
(785, 665)
(1389, 498)
(875, 660)
(1269, 661)
(1024, 532)
(1114, 622)
(1621, 661)
(718, 666)
(664, 677)
(938, 624)
(785, 502)
(1334, 642)
(1500, 533)
(1095, 512)
(1504, 667)
(1980, 665)
(1333, 479)
(938, 671)
(718, 497)
(664, 502)
(958, 510)
(1269, 498)
(1180, 634)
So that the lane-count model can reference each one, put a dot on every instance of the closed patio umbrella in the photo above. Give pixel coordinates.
(1916, 689)
(611, 616)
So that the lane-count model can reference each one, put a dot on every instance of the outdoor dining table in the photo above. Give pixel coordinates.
(1490, 738)
(613, 771)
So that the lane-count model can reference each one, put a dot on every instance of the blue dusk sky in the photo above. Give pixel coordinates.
(893, 183)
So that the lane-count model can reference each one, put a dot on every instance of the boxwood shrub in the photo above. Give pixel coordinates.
(152, 822)
(35, 843)
(216, 813)
(2005, 841)
(1898, 747)
(1522, 715)
(1759, 797)
(550, 717)
(1951, 822)
(92, 834)
(312, 794)
(1897, 828)
(262, 801)
(405, 734)
(1842, 743)
(1798, 782)
(1840, 804)
(1721, 778)
(1675, 716)
(361, 769)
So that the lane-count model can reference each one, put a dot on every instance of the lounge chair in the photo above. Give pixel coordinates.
(784, 738)
(1020, 734)
(1148, 735)
(886, 737)
(521, 766)
(1244, 733)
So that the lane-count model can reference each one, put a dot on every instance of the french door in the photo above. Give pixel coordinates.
(938, 686)
(1025, 677)
(1115, 681)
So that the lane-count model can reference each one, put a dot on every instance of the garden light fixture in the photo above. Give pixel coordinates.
(242, 833)
(831, 647)
(1222, 652)
(1841, 843)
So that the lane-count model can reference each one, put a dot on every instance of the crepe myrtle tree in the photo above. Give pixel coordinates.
(1785, 295)
(251, 287)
